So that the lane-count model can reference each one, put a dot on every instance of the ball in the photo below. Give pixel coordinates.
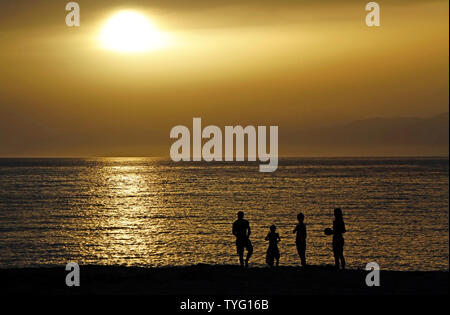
(328, 231)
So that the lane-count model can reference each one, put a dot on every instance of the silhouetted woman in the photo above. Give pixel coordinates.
(338, 239)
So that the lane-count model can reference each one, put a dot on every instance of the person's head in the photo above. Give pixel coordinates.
(273, 228)
(338, 213)
(240, 215)
(300, 217)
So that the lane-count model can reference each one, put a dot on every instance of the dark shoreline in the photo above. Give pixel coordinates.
(219, 280)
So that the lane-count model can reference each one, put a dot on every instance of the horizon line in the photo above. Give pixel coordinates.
(280, 156)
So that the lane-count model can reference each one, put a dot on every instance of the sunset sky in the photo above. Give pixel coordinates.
(297, 64)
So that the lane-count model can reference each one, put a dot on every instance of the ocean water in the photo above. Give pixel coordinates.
(153, 212)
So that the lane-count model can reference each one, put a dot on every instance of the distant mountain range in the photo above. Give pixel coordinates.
(403, 136)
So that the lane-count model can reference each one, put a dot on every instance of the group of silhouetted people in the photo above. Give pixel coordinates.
(241, 230)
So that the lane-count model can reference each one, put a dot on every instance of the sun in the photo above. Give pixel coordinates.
(131, 32)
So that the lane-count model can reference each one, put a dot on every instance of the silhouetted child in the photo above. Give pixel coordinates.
(338, 238)
(272, 252)
(300, 239)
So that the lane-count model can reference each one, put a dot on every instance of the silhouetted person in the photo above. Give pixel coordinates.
(300, 239)
(338, 239)
(241, 229)
(272, 252)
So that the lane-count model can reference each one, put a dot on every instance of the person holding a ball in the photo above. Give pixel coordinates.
(338, 238)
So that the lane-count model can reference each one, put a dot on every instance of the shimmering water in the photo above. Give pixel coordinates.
(152, 212)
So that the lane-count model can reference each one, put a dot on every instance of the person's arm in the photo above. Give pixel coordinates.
(248, 231)
(343, 227)
(234, 229)
(267, 237)
(295, 230)
(278, 238)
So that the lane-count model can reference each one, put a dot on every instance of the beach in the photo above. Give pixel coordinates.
(219, 280)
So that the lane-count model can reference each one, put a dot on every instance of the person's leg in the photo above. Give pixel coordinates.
(336, 262)
(342, 255)
(303, 254)
(240, 251)
(269, 259)
(277, 257)
(249, 247)
(299, 250)
(336, 255)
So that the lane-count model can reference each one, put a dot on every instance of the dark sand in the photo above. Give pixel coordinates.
(219, 280)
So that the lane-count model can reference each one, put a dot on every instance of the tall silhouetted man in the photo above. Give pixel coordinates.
(241, 229)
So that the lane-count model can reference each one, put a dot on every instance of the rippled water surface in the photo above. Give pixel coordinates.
(152, 212)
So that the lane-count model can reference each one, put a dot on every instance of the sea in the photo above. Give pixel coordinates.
(153, 212)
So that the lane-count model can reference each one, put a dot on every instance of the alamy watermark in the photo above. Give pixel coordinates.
(212, 149)
(73, 277)
(373, 17)
(73, 17)
(373, 277)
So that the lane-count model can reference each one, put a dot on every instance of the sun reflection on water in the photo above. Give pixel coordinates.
(129, 204)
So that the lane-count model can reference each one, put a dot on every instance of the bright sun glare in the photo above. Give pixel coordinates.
(130, 32)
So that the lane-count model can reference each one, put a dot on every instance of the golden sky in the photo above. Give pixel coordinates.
(296, 64)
